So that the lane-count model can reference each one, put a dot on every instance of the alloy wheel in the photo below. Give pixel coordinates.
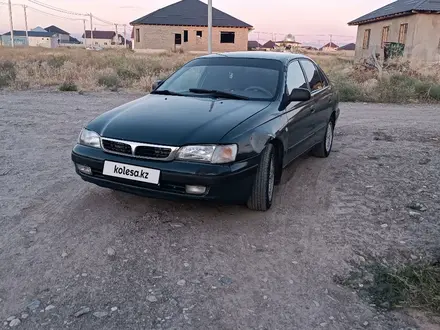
(271, 181)
(329, 137)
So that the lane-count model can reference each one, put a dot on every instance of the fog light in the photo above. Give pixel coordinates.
(84, 169)
(195, 190)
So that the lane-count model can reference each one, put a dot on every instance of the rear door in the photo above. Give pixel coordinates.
(322, 96)
(299, 120)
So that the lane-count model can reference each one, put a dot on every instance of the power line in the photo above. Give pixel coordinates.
(50, 14)
(14, 4)
(102, 24)
(64, 11)
(103, 20)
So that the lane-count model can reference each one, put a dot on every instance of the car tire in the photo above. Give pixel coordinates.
(263, 189)
(324, 148)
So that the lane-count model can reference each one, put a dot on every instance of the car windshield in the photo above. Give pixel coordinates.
(226, 77)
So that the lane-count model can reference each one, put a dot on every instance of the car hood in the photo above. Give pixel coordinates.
(175, 120)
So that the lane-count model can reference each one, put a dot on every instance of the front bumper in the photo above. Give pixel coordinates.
(229, 183)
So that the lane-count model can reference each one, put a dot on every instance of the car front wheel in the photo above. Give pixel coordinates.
(264, 184)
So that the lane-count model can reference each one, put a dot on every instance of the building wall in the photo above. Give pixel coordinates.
(422, 40)
(100, 42)
(329, 49)
(63, 37)
(18, 41)
(47, 42)
(106, 43)
(162, 37)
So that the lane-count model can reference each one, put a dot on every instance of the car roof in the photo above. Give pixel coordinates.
(283, 57)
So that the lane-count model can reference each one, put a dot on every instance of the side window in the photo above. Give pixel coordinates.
(313, 76)
(295, 77)
(323, 77)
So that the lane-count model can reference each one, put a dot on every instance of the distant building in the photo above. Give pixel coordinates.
(287, 44)
(411, 27)
(351, 46)
(184, 25)
(38, 29)
(330, 47)
(308, 47)
(104, 39)
(347, 50)
(62, 36)
(270, 45)
(36, 39)
(253, 45)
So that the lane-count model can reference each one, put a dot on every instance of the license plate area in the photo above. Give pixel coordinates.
(131, 172)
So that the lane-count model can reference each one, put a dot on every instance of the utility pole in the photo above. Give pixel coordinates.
(125, 35)
(26, 25)
(91, 30)
(85, 34)
(209, 26)
(117, 36)
(10, 23)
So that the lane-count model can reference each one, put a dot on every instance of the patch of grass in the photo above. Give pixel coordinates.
(415, 286)
(422, 89)
(57, 61)
(434, 92)
(408, 286)
(128, 74)
(68, 86)
(398, 88)
(7, 73)
(349, 91)
(110, 81)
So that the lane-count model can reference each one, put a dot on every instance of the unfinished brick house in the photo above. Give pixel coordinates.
(411, 24)
(184, 25)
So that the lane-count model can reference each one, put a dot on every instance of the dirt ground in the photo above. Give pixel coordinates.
(125, 262)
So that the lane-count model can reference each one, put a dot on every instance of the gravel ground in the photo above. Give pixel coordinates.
(76, 256)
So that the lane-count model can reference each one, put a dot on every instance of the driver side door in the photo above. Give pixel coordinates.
(299, 114)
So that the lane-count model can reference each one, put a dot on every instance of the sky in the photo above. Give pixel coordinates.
(310, 21)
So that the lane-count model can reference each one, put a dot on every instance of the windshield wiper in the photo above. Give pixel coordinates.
(166, 92)
(217, 93)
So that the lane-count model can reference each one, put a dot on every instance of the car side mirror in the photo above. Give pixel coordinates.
(299, 95)
(157, 83)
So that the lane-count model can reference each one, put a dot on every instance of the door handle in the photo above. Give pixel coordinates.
(312, 109)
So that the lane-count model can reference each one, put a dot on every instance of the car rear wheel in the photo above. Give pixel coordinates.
(264, 184)
(324, 148)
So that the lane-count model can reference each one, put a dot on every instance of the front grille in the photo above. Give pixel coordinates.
(118, 147)
(152, 152)
(139, 149)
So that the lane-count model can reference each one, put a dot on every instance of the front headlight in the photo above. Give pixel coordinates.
(209, 153)
(89, 138)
